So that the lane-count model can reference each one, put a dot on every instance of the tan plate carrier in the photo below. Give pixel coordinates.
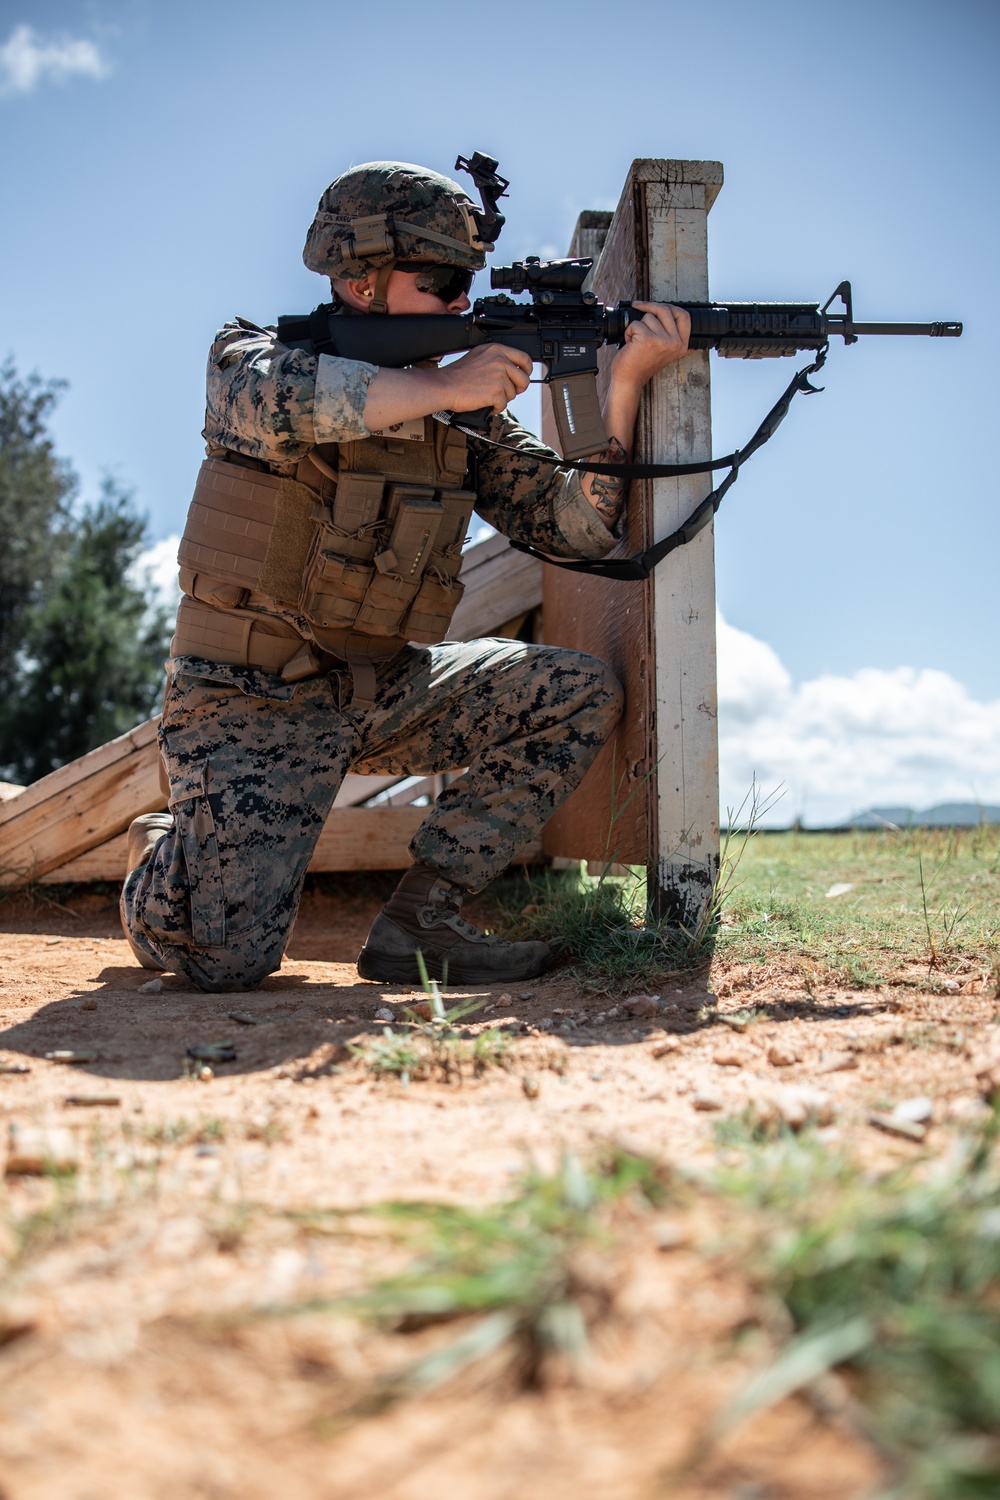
(362, 547)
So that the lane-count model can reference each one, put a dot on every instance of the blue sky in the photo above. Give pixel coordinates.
(161, 165)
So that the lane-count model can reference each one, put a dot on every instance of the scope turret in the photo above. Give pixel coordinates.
(534, 275)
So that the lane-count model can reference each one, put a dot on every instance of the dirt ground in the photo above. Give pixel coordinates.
(136, 1359)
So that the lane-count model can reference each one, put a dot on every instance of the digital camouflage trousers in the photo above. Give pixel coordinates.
(254, 765)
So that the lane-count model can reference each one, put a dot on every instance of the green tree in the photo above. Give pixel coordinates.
(93, 647)
(35, 489)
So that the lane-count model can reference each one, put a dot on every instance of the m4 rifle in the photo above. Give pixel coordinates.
(564, 325)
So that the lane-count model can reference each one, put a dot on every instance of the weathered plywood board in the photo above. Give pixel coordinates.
(81, 805)
(354, 838)
(500, 584)
(607, 817)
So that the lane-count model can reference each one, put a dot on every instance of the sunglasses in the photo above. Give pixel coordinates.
(446, 282)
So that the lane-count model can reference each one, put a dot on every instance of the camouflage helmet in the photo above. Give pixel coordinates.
(386, 212)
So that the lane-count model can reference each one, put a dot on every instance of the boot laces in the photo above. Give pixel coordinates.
(448, 911)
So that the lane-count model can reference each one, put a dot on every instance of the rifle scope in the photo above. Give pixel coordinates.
(534, 275)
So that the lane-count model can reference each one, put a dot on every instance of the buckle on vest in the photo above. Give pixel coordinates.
(307, 662)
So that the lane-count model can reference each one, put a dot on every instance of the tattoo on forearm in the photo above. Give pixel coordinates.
(607, 490)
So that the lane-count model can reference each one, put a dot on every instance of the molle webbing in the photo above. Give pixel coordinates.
(242, 638)
(250, 529)
(441, 459)
(235, 637)
(366, 558)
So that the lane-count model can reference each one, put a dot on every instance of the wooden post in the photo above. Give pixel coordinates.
(652, 797)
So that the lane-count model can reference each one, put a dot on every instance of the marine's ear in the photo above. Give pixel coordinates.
(357, 294)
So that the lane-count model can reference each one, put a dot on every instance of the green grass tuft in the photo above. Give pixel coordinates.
(903, 1271)
(516, 1258)
(435, 1048)
(510, 1275)
(597, 924)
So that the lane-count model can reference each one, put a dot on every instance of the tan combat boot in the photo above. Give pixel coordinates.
(423, 913)
(143, 836)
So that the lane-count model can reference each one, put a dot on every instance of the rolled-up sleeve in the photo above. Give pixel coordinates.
(274, 403)
(528, 496)
(341, 393)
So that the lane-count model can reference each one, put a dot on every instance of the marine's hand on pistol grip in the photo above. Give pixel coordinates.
(489, 376)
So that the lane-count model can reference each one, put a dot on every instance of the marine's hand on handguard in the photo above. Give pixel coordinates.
(651, 343)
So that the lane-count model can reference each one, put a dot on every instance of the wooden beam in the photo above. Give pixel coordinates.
(652, 796)
(356, 789)
(81, 805)
(58, 820)
(683, 860)
(500, 584)
(354, 838)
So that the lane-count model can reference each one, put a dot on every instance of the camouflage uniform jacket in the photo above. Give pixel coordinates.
(274, 404)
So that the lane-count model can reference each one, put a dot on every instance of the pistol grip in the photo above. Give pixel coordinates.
(577, 411)
(479, 420)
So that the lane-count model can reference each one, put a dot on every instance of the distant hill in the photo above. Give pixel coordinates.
(944, 815)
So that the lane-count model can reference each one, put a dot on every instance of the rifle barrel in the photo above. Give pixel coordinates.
(929, 330)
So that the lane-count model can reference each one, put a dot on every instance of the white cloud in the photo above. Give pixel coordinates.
(158, 564)
(26, 59)
(841, 744)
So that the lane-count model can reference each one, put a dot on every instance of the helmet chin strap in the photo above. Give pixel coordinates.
(379, 303)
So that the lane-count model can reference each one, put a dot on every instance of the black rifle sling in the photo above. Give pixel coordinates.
(639, 567)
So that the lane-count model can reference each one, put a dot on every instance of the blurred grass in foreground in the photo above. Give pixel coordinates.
(895, 1278)
(877, 1296)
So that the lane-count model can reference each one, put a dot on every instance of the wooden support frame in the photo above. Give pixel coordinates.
(70, 825)
(652, 797)
(353, 838)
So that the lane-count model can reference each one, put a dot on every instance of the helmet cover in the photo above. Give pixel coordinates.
(372, 216)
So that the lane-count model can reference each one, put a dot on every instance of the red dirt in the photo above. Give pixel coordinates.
(135, 1364)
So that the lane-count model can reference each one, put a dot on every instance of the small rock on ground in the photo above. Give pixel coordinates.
(35, 1149)
(836, 1062)
(894, 1125)
(642, 1005)
(917, 1110)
